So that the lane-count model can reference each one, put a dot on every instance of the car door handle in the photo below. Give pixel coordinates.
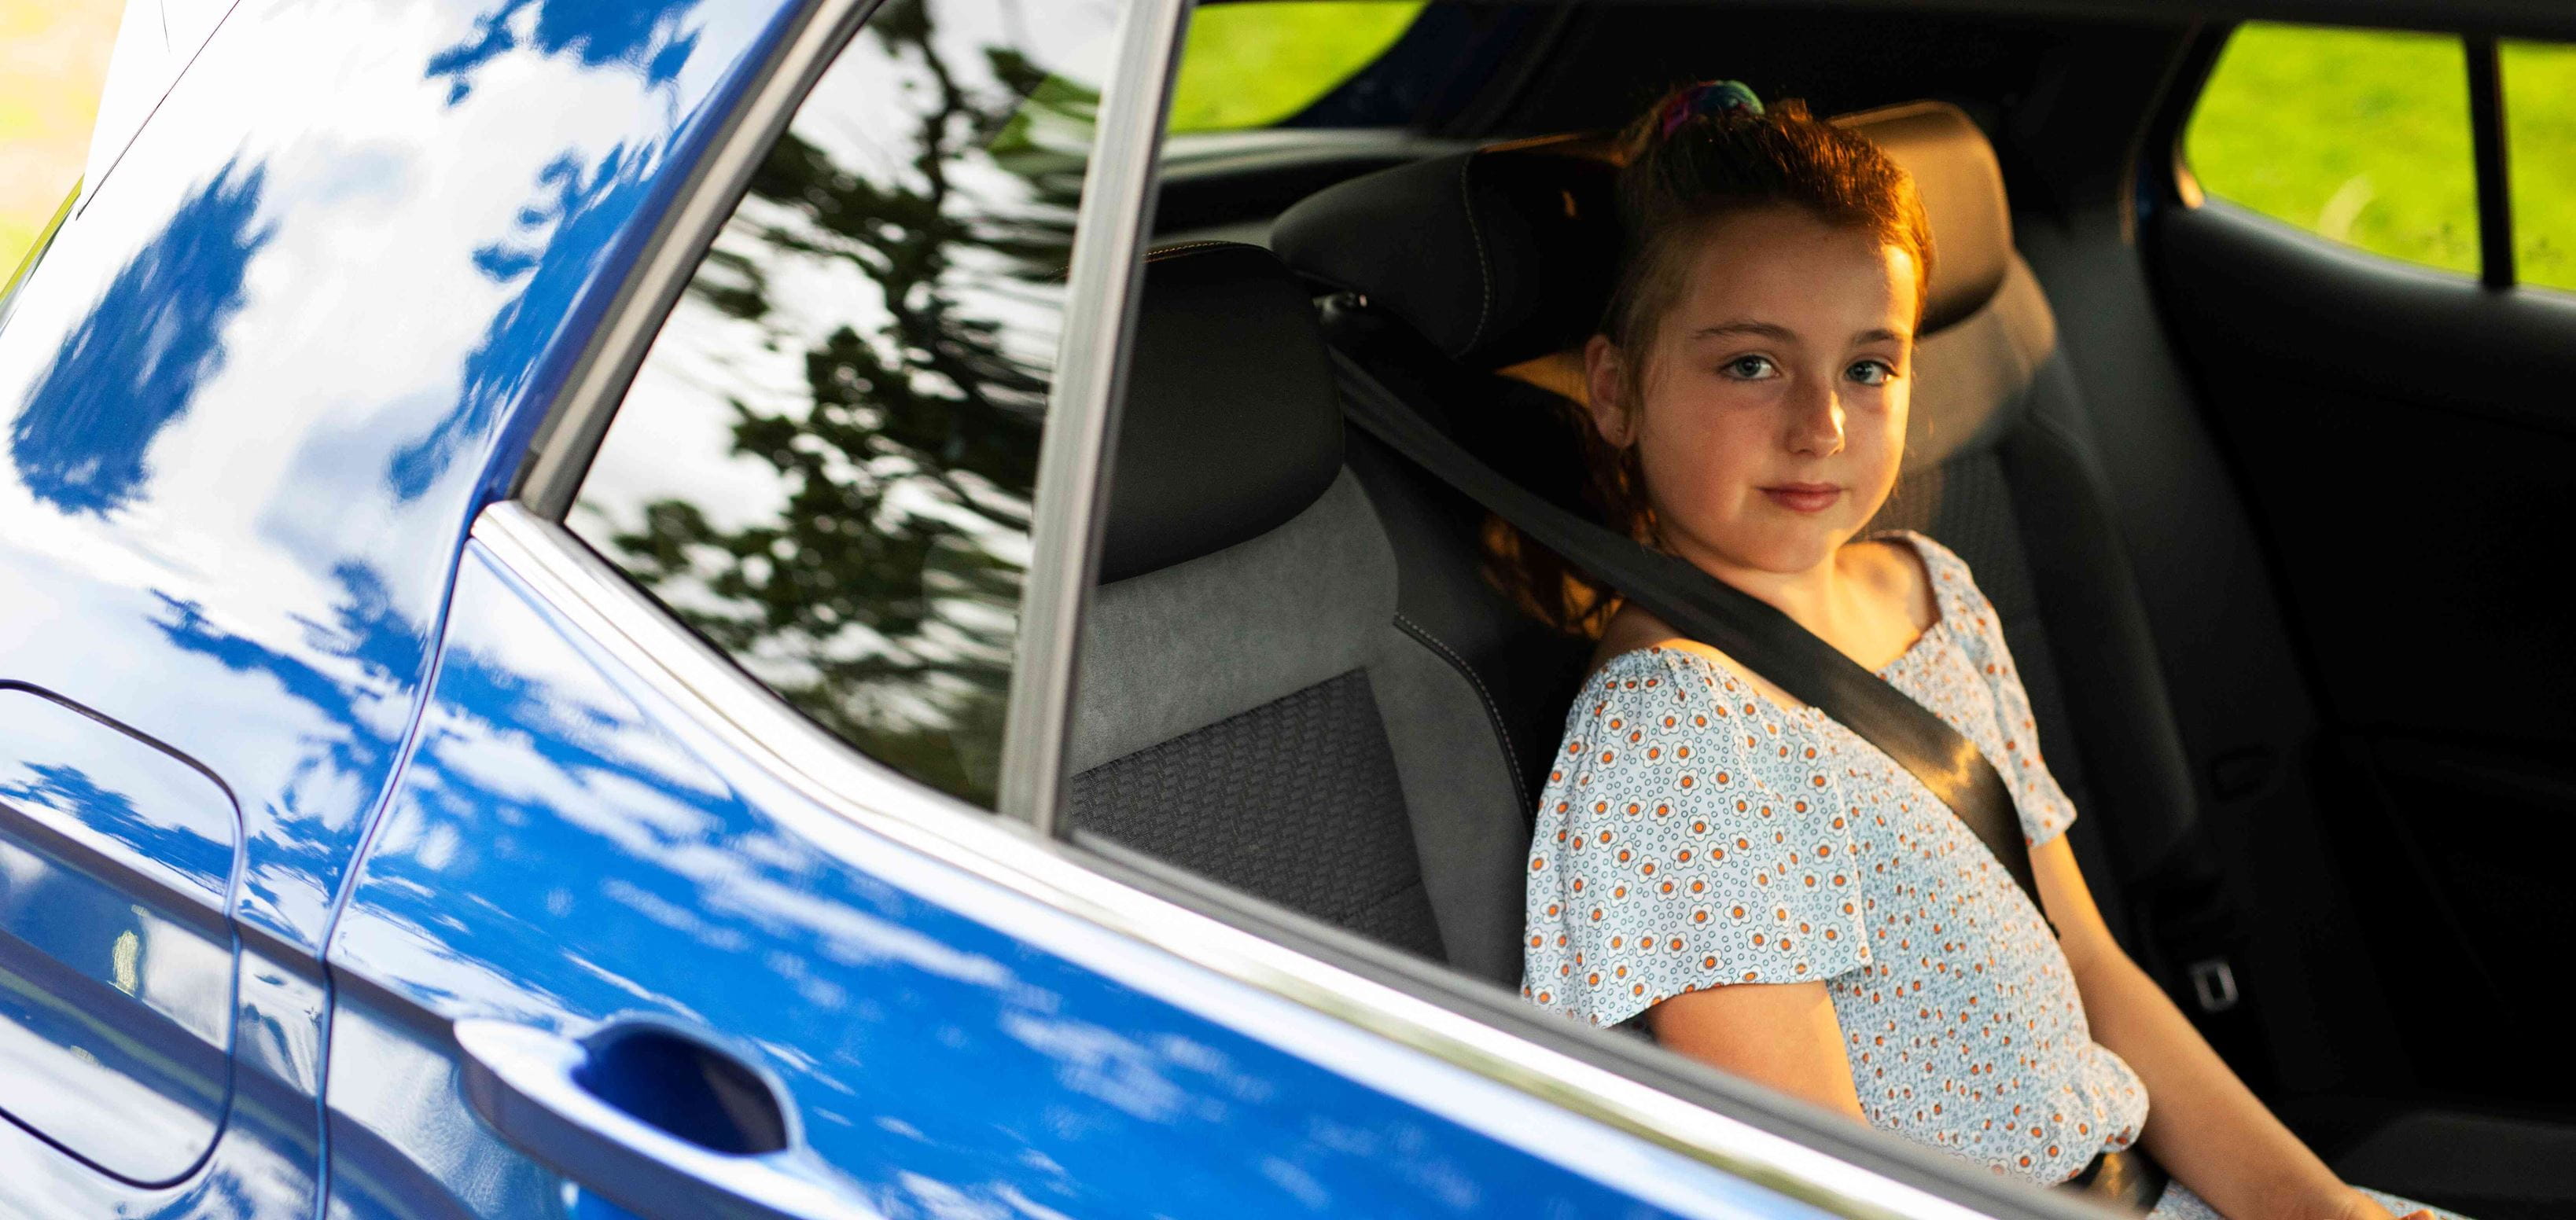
(651, 1117)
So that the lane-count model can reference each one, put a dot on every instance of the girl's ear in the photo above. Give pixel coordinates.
(1605, 378)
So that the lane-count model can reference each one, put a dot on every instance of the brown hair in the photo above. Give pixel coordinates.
(1678, 177)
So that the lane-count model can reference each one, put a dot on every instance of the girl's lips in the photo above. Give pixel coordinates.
(1804, 497)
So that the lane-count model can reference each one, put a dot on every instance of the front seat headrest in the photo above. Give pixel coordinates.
(1502, 254)
(1230, 425)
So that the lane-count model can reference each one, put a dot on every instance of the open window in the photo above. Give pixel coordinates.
(825, 464)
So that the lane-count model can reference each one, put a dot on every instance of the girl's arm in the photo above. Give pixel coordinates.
(1781, 1035)
(2203, 1125)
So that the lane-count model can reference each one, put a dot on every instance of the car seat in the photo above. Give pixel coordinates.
(1252, 703)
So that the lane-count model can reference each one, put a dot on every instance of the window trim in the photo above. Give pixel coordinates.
(2487, 152)
(1731, 1125)
(2179, 186)
(1065, 515)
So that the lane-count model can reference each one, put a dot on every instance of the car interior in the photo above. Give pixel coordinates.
(2178, 442)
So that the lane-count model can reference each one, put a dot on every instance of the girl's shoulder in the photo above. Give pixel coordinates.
(1637, 642)
(1670, 670)
(1690, 692)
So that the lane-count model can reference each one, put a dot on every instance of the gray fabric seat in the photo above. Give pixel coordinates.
(1250, 703)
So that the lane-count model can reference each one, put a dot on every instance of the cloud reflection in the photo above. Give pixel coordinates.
(135, 360)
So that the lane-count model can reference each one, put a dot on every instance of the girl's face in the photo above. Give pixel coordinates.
(1770, 415)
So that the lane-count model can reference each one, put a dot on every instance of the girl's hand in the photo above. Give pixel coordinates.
(2355, 1205)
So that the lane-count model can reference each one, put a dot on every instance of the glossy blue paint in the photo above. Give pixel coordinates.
(116, 962)
(252, 396)
(567, 849)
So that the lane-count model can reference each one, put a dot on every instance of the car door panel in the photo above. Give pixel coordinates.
(2400, 454)
(247, 399)
(569, 850)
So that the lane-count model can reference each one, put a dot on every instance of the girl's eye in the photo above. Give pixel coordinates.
(1870, 372)
(1750, 368)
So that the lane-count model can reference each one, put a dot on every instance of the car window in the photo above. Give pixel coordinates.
(2540, 158)
(824, 465)
(2360, 136)
(1255, 64)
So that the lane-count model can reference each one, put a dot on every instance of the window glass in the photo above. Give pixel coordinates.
(2361, 136)
(1254, 64)
(2540, 159)
(825, 463)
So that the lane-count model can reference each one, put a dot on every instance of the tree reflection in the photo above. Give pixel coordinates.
(882, 595)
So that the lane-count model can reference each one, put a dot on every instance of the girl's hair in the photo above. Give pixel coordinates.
(1703, 153)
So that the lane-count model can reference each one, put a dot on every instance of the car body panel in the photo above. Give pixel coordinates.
(253, 394)
(948, 1044)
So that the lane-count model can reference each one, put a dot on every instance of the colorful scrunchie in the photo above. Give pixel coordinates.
(1707, 97)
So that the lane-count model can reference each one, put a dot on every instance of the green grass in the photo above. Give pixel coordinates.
(2360, 135)
(2363, 135)
(2540, 157)
(1251, 65)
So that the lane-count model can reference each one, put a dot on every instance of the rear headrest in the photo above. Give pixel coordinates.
(1505, 253)
(1231, 425)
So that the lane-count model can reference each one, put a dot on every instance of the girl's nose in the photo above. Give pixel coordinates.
(1816, 420)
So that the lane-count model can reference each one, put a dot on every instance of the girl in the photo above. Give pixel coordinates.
(1740, 875)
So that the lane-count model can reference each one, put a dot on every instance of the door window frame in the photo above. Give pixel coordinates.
(1827, 1162)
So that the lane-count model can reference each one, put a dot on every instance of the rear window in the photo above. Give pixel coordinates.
(1258, 64)
(2358, 136)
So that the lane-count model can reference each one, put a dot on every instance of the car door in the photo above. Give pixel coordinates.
(244, 397)
(2371, 295)
(707, 889)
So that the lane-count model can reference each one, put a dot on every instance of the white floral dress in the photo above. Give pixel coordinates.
(1693, 834)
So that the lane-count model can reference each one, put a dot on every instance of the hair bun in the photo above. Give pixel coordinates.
(1706, 98)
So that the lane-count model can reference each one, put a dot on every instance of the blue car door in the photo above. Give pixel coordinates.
(246, 398)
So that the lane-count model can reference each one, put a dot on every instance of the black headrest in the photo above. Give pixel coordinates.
(1502, 254)
(1231, 425)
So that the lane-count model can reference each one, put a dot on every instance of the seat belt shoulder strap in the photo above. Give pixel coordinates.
(1753, 632)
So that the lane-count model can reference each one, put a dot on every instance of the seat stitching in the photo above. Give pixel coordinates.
(1493, 710)
(1153, 256)
(1484, 273)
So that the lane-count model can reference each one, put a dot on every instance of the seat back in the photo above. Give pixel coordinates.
(1250, 703)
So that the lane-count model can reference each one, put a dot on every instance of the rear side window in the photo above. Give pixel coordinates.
(825, 463)
(2360, 136)
(1257, 63)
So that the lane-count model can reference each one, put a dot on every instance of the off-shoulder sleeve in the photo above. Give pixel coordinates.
(1690, 837)
(2045, 810)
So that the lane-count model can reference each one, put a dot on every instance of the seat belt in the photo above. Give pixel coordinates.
(1746, 628)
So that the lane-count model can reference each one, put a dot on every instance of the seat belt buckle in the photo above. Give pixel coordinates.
(2213, 983)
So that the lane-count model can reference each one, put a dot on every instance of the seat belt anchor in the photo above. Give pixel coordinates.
(2213, 983)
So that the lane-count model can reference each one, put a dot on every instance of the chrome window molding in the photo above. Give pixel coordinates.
(614, 615)
(1082, 406)
(569, 433)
